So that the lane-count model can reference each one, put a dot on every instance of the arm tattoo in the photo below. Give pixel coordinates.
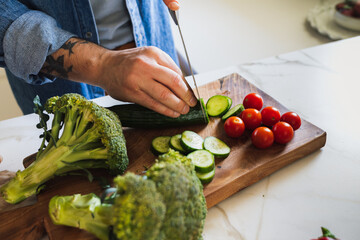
(57, 65)
(69, 45)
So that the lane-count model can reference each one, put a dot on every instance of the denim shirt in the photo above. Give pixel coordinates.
(30, 30)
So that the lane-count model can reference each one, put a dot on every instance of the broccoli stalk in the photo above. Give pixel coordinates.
(83, 135)
(166, 203)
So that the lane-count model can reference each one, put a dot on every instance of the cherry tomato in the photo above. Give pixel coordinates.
(262, 137)
(234, 127)
(251, 118)
(283, 132)
(253, 100)
(291, 118)
(270, 116)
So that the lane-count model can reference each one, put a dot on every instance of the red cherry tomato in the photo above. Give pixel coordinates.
(251, 118)
(283, 132)
(270, 116)
(234, 127)
(262, 137)
(291, 118)
(253, 100)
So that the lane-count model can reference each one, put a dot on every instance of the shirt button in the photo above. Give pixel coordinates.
(88, 35)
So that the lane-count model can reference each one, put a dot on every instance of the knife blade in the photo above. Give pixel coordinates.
(174, 16)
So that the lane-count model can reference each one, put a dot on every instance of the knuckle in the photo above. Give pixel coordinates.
(177, 81)
(164, 95)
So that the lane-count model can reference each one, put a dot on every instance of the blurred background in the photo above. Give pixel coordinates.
(222, 33)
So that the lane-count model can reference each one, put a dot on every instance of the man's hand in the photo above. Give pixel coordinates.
(149, 77)
(172, 4)
(146, 75)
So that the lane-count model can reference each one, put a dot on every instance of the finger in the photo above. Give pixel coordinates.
(176, 84)
(184, 91)
(172, 4)
(164, 95)
(149, 102)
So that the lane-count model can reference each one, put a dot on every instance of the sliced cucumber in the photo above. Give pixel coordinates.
(206, 177)
(160, 145)
(234, 111)
(216, 147)
(203, 160)
(217, 105)
(191, 141)
(175, 143)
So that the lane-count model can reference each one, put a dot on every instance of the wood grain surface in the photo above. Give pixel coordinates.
(244, 166)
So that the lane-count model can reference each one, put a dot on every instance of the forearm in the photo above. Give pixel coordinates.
(76, 60)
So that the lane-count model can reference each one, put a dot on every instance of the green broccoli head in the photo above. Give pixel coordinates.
(176, 180)
(82, 135)
(166, 203)
(137, 211)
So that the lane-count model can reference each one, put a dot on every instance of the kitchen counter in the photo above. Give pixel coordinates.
(323, 189)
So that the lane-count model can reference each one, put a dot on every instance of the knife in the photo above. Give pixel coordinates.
(174, 16)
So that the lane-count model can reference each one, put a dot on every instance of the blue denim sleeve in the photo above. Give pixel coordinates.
(27, 38)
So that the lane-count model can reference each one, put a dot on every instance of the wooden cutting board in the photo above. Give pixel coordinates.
(244, 166)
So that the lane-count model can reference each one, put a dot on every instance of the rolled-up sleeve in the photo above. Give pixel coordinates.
(28, 37)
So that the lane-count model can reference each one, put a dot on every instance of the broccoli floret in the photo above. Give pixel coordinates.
(166, 203)
(175, 178)
(137, 211)
(83, 135)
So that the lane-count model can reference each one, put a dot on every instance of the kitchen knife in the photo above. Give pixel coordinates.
(174, 16)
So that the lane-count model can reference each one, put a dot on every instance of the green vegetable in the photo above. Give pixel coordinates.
(176, 144)
(136, 116)
(203, 160)
(216, 147)
(234, 111)
(83, 135)
(160, 145)
(191, 141)
(167, 203)
(218, 105)
(206, 177)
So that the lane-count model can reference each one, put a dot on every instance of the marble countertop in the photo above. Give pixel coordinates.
(323, 189)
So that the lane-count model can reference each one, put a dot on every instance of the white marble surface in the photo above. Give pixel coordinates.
(323, 189)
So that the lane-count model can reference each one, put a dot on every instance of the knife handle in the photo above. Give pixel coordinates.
(174, 15)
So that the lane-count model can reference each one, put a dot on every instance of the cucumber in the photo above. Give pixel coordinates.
(175, 143)
(218, 105)
(136, 116)
(191, 141)
(206, 177)
(203, 160)
(216, 147)
(160, 145)
(234, 111)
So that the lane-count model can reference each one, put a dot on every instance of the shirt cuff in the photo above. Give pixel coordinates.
(28, 41)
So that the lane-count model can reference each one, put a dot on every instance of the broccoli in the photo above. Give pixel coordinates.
(83, 135)
(166, 203)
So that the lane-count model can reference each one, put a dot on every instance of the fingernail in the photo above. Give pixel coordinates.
(193, 101)
(185, 109)
(174, 6)
(176, 114)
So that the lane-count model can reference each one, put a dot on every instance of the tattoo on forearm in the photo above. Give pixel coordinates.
(69, 45)
(57, 65)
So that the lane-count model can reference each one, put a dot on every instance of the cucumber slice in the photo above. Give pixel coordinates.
(175, 143)
(160, 145)
(191, 141)
(236, 110)
(217, 105)
(216, 147)
(206, 177)
(203, 160)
